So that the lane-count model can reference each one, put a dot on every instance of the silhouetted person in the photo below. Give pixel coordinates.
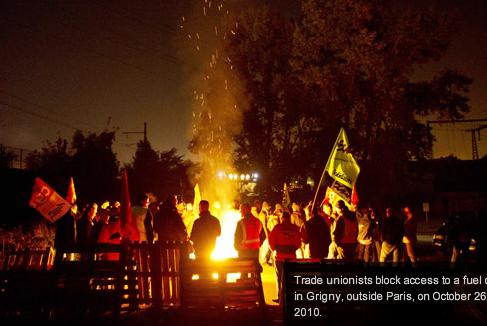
(284, 240)
(168, 223)
(392, 232)
(84, 226)
(365, 246)
(66, 229)
(316, 233)
(143, 219)
(249, 234)
(205, 230)
(410, 235)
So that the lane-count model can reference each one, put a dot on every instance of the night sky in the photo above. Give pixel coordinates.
(95, 65)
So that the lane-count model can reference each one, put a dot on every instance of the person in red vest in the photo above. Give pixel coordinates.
(249, 234)
(284, 240)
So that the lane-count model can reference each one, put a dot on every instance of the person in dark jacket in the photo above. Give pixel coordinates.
(84, 226)
(316, 233)
(349, 241)
(204, 232)
(284, 240)
(168, 223)
(66, 229)
(392, 232)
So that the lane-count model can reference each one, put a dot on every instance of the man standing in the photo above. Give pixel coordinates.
(204, 232)
(316, 233)
(168, 223)
(349, 239)
(365, 245)
(249, 234)
(392, 233)
(409, 239)
(284, 240)
(143, 219)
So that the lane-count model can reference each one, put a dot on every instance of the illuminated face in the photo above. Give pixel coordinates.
(145, 203)
(92, 212)
(245, 210)
(388, 212)
(407, 212)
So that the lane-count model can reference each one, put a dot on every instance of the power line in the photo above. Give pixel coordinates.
(44, 107)
(119, 39)
(40, 116)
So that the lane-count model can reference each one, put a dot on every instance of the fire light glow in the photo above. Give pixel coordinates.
(224, 243)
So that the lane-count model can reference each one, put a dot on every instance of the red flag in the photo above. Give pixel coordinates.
(129, 231)
(354, 200)
(48, 202)
(71, 195)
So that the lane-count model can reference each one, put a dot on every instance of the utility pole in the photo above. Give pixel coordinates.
(475, 153)
(138, 132)
(475, 133)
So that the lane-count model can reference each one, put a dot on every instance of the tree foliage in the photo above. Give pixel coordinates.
(342, 64)
(6, 157)
(161, 173)
(90, 160)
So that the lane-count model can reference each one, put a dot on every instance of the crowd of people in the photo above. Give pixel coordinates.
(265, 234)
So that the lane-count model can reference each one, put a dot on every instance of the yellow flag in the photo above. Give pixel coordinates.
(341, 165)
(342, 168)
(196, 202)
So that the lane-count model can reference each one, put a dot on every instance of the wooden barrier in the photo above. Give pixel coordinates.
(84, 281)
(158, 272)
(25, 282)
(226, 285)
(28, 259)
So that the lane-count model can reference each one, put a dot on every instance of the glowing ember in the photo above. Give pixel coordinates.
(224, 244)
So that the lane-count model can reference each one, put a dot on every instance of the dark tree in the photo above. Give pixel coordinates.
(6, 157)
(90, 161)
(158, 173)
(144, 173)
(275, 123)
(95, 166)
(342, 64)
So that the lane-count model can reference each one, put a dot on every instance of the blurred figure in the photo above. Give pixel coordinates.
(205, 230)
(84, 226)
(66, 228)
(298, 219)
(316, 233)
(284, 240)
(297, 216)
(168, 223)
(365, 246)
(392, 232)
(349, 238)
(249, 234)
(459, 236)
(374, 229)
(143, 219)
(258, 207)
(410, 235)
(327, 214)
(266, 253)
(273, 219)
(100, 221)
